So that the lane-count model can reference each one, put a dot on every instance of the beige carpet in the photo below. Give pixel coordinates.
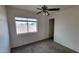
(45, 46)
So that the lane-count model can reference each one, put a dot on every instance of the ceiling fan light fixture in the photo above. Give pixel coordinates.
(45, 13)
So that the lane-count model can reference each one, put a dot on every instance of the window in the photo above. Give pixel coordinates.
(25, 25)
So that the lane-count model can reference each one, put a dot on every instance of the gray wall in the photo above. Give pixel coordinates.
(67, 28)
(4, 35)
(18, 40)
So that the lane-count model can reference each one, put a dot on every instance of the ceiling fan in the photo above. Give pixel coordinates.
(44, 9)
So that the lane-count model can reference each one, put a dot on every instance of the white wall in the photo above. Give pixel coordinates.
(18, 40)
(4, 36)
(67, 28)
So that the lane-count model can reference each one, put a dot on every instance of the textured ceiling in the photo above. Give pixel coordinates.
(34, 7)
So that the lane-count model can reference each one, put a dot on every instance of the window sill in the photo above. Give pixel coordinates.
(27, 33)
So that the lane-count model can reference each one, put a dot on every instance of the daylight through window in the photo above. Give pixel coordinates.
(25, 25)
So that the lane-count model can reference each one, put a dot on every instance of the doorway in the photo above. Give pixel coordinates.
(51, 28)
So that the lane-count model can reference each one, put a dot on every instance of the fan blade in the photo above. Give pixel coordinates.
(54, 9)
(39, 8)
(38, 12)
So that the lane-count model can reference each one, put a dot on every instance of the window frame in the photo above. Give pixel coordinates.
(27, 24)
